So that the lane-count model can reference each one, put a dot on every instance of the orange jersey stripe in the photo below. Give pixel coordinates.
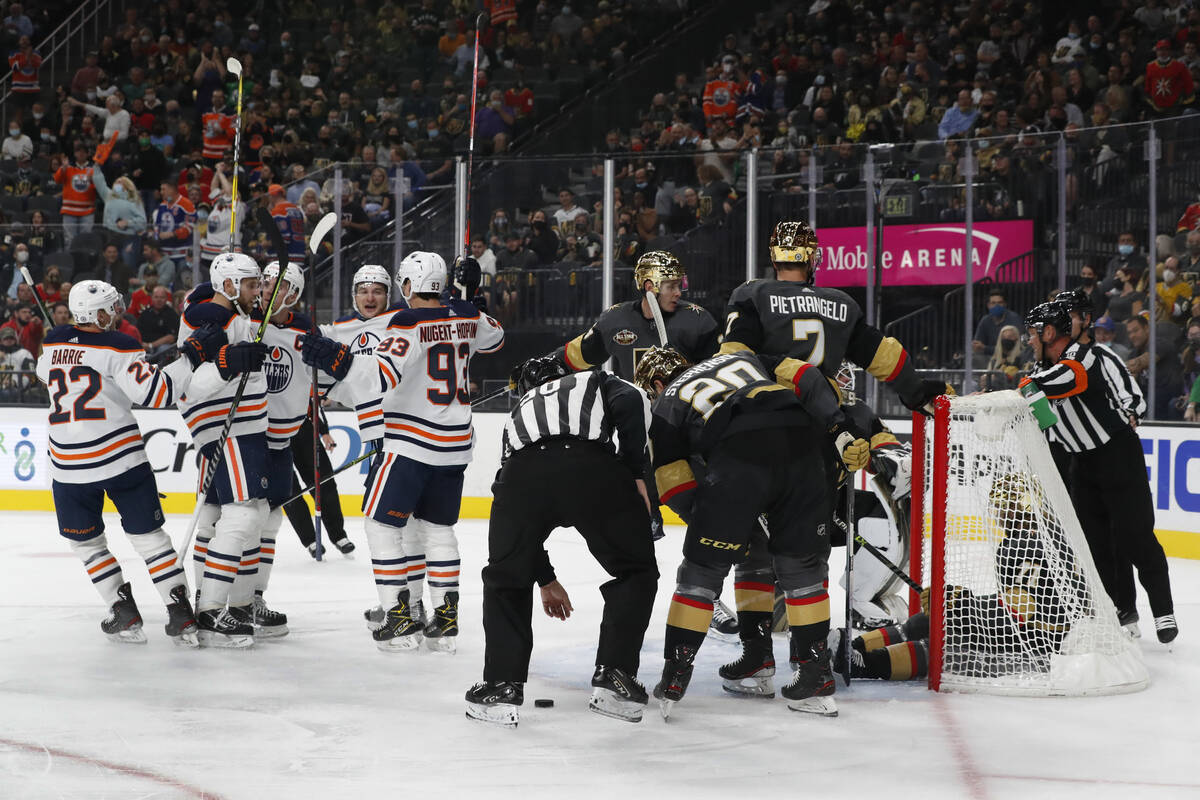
(137, 437)
(466, 437)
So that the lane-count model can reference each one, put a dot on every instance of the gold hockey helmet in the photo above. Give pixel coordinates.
(660, 363)
(657, 266)
(795, 244)
(1011, 497)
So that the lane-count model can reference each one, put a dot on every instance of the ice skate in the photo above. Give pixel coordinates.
(124, 622)
(416, 610)
(1129, 622)
(496, 702)
(181, 621)
(812, 687)
(441, 633)
(344, 546)
(618, 695)
(724, 625)
(221, 628)
(836, 644)
(398, 631)
(1166, 628)
(752, 673)
(267, 623)
(374, 617)
(677, 673)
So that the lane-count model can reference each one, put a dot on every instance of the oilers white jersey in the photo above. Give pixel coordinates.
(421, 367)
(361, 334)
(94, 378)
(289, 382)
(205, 407)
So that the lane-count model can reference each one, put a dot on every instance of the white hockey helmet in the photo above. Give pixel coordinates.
(235, 267)
(369, 273)
(425, 273)
(295, 278)
(88, 298)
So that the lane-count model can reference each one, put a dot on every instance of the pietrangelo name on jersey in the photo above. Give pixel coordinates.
(809, 304)
(448, 330)
(66, 356)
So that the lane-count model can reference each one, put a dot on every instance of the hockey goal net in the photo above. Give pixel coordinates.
(1015, 603)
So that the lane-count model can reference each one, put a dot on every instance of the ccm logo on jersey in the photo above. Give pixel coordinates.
(720, 545)
(625, 337)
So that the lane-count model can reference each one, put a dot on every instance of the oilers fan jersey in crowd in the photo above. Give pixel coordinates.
(204, 409)
(816, 324)
(361, 334)
(590, 405)
(726, 395)
(624, 334)
(289, 382)
(94, 378)
(421, 367)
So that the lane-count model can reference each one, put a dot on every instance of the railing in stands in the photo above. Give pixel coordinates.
(69, 40)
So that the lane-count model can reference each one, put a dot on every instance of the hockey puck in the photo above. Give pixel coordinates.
(543, 702)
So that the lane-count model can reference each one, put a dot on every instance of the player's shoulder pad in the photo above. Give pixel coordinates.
(204, 313)
(113, 340)
(300, 322)
(745, 290)
(59, 334)
(354, 316)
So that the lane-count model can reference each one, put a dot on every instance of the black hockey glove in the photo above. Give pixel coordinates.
(332, 357)
(481, 303)
(468, 275)
(851, 446)
(203, 345)
(922, 399)
(234, 359)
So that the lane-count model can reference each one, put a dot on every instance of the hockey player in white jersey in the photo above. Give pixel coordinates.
(421, 366)
(236, 503)
(94, 375)
(361, 331)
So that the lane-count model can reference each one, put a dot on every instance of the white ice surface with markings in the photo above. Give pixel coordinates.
(323, 714)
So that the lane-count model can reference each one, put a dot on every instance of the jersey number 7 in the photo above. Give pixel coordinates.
(803, 330)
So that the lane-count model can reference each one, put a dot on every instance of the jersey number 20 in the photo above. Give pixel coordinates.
(705, 394)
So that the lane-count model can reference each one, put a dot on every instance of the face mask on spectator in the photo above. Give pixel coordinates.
(38, 115)
(1088, 281)
(22, 256)
(412, 124)
(1194, 249)
(1125, 249)
(47, 137)
(14, 132)
(144, 141)
(960, 58)
(501, 223)
(91, 94)
(433, 132)
(145, 39)
(997, 310)
(1169, 275)
(118, 191)
(1007, 344)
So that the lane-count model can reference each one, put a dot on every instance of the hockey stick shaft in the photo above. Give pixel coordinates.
(235, 66)
(314, 243)
(851, 536)
(41, 304)
(333, 475)
(490, 396)
(213, 464)
(659, 323)
(479, 20)
(887, 562)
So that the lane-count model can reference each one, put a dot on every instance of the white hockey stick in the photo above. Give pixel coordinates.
(652, 300)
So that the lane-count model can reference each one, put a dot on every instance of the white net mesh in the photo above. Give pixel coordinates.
(1025, 612)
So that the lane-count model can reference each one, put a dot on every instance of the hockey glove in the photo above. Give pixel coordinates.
(468, 275)
(852, 447)
(922, 399)
(203, 345)
(234, 359)
(481, 303)
(332, 357)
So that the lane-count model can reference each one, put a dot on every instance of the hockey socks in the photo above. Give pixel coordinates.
(166, 569)
(387, 561)
(442, 566)
(687, 621)
(808, 613)
(266, 549)
(102, 567)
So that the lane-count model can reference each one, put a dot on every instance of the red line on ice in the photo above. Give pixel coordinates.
(1117, 782)
(968, 771)
(162, 780)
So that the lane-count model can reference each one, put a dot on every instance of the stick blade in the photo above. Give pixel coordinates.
(233, 65)
(28, 278)
(320, 231)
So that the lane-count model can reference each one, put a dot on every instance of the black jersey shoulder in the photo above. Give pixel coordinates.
(112, 340)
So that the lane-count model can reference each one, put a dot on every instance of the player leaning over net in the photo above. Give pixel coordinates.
(1039, 595)
(756, 439)
(235, 505)
(422, 368)
(94, 375)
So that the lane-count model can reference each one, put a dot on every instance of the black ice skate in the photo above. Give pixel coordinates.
(677, 673)
(1166, 628)
(344, 546)
(442, 630)
(398, 631)
(181, 621)
(374, 617)
(267, 623)
(752, 673)
(812, 687)
(220, 627)
(724, 624)
(618, 695)
(496, 702)
(124, 622)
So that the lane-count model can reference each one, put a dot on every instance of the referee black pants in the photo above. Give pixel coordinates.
(1112, 499)
(566, 483)
(297, 511)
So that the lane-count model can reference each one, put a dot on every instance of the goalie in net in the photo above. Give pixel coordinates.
(1016, 604)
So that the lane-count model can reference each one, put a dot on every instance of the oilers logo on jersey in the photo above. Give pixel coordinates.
(278, 369)
(81, 182)
(364, 343)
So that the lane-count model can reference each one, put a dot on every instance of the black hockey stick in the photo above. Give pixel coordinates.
(210, 471)
(333, 475)
(323, 227)
(41, 304)
(490, 395)
(851, 536)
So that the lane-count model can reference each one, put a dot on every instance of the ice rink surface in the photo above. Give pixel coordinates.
(323, 714)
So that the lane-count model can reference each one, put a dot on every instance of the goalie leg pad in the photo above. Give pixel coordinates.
(165, 567)
(873, 579)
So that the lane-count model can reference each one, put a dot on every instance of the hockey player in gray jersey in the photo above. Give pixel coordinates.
(626, 331)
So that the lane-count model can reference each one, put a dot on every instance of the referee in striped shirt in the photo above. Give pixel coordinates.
(574, 457)
(1098, 406)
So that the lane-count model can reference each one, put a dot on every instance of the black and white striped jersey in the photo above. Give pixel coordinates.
(589, 405)
(1093, 394)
